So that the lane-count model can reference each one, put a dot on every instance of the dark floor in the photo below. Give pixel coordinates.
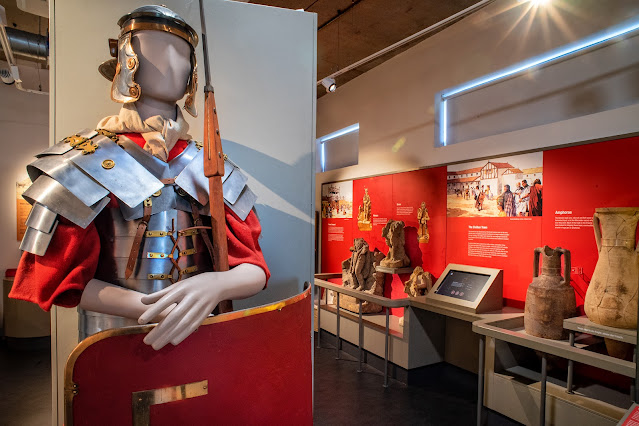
(448, 396)
(342, 396)
(25, 382)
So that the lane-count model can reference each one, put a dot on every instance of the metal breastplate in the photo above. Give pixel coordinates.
(171, 250)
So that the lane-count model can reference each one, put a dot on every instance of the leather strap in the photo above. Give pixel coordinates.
(197, 220)
(137, 241)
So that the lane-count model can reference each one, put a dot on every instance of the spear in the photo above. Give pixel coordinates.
(214, 169)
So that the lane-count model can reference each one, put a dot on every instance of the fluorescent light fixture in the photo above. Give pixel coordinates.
(331, 136)
(341, 132)
(566, 50)
(444, 125)
(561, 52)
(323, 158)
(329, 84)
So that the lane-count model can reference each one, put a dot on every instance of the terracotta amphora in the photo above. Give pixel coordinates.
(611, 298)
(550, 298)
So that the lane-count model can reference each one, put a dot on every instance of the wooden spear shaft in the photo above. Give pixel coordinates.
(214, 170)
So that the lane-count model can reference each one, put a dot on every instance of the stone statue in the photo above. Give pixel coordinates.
(358, 272)
(419, 283)
(393, 232)
(364, 220)
(423, 236)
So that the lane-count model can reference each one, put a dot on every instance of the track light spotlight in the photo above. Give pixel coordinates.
(329, 84)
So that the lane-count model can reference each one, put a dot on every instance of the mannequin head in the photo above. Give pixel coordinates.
(165, 65)
(154, 48)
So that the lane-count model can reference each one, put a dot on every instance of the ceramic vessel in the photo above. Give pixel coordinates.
(550, 298)
(611, 298)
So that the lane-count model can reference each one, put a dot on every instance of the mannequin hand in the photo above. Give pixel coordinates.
(196, 297)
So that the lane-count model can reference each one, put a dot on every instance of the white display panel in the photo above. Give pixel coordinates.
(469, 288)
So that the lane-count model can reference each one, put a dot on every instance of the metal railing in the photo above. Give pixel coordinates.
(320, 282)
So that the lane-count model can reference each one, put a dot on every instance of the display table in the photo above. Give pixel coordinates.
(565, 406)
(432, 332)
(23, 319)
(360, 296)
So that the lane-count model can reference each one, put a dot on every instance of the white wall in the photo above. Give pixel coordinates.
(24, 121)
(396, 99)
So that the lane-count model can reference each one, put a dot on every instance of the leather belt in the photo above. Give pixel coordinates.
(137, 241)
(197, 220)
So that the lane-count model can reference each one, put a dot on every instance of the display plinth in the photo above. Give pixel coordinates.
(584, 325)
(386, 270)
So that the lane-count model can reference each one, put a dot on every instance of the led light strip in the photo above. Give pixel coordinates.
(330, 136)
(569, 49)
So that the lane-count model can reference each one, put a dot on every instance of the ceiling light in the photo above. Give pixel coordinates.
(329, 84)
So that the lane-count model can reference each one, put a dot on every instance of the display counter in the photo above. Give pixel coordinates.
(528, 379)
(432, 332)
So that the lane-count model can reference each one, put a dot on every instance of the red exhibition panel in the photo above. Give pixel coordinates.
(497, 242)
(257, 363)
(580, 179)
(410, 189)
(380, 190)
(337, 238)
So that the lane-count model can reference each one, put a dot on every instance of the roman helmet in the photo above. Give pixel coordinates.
(121, 70)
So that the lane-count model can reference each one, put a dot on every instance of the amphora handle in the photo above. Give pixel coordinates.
(595, 225)
(538, 251)
(567, 266)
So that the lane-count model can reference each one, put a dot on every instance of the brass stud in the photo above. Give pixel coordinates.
(108, 164)
(157, 193)
(133, 91)
(130, 63)
(217, 131)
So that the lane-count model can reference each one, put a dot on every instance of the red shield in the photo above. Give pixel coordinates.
(245, 367)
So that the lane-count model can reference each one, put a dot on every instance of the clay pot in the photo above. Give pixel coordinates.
(550, 299)
(611, 298)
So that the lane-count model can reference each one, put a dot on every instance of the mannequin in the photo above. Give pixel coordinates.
(180, 308)
(163, 67)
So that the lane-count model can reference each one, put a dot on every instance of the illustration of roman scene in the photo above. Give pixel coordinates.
(337, 200)
(500, 187)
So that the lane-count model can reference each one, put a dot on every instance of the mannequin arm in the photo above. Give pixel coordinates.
(100, 296)
(196, 297)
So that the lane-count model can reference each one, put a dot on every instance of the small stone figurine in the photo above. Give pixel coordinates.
(423, 236)
(393, 232)
(364, 221)
(419, 283)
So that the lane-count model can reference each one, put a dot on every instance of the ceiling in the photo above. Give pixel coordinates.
(348, 30)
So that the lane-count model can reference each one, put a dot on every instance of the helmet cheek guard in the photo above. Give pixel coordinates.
(121, 70)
